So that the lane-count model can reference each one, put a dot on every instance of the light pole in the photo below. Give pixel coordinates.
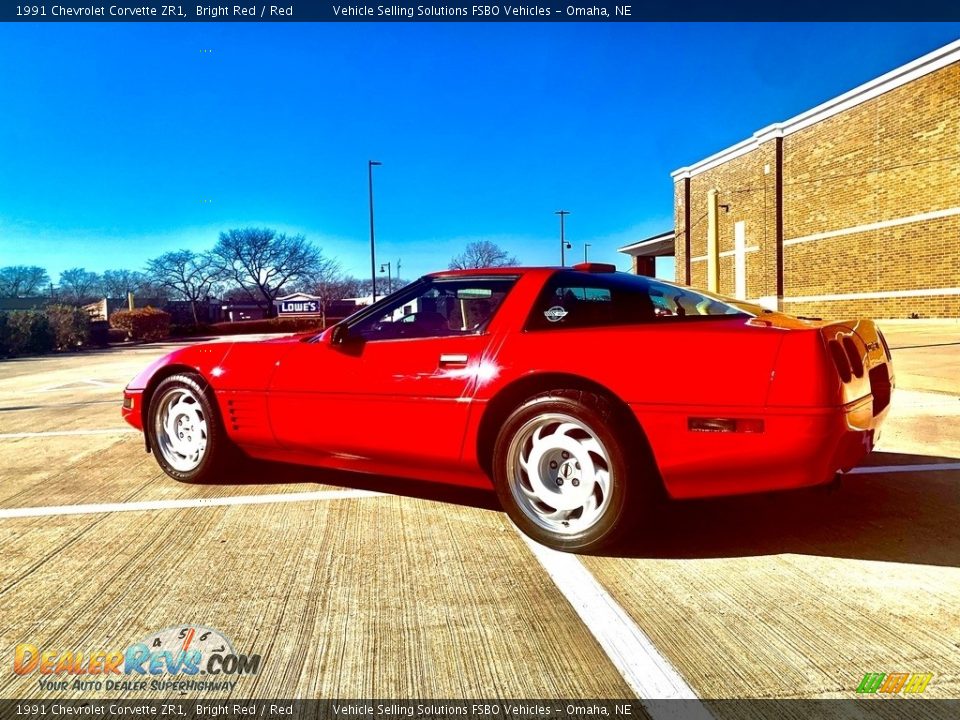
(373, 253)
(585, 246)
(564, 245)
(386, 267)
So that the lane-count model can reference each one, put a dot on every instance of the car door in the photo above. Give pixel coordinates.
(398, 387)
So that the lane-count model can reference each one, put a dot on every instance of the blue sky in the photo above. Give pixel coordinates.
(121, 141)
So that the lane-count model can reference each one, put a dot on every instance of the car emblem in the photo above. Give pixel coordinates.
(555, 314)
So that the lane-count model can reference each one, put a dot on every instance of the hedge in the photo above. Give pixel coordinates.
(243, 327)
(35, 332)
(70, 326)
(26, 332)
(143, 323)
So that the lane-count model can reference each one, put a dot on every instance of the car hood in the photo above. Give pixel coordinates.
(201, 359)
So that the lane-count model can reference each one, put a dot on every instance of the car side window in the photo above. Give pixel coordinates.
(439, 308)
(582, 300)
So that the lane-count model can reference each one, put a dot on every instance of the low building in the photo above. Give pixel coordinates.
(24, 303)
(850, 208)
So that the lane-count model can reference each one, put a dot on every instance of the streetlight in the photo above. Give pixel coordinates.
(564, 245)
(373, 261)
(585, 246)
(386, 267)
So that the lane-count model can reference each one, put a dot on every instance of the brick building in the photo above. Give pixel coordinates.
(851, 208)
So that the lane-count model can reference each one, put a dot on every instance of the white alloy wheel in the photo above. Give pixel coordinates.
(559, 473)
(180, 428)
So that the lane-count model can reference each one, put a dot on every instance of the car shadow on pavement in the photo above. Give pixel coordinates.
(254, 472)
(908, 516)
(911, 517)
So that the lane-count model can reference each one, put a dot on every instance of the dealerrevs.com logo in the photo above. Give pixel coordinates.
(169, 660)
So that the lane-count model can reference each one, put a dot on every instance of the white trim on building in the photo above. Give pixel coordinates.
(931, 62)
(921, 217)
(922, 292)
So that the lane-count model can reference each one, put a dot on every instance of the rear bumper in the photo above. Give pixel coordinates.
(799, 447)
(131, 409)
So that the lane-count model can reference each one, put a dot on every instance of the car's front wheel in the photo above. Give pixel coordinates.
(561, 471)
(184, 429)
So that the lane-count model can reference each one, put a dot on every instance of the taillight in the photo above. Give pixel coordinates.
(853, 355)
(841, 361)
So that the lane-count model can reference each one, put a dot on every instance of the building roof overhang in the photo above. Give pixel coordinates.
(655, 246)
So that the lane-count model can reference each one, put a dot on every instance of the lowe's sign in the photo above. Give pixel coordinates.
(298, 304)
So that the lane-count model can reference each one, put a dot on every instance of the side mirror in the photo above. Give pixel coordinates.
(339, 334)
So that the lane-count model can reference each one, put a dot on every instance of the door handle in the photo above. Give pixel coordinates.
(448, 359)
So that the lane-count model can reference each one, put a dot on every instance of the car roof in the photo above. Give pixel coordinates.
(514, 270)
(482, 271)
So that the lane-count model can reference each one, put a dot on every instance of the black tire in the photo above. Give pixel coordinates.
(632, 478)
(218, 450)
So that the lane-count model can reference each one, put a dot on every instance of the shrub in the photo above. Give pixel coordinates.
(143, 323)
(70, 326)
(270, 325)
(100, 333)
(116, 335)
(191, 330)
(28, 332)
(243, 327)
(4, 335)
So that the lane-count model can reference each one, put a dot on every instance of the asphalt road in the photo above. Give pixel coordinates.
(353, 586)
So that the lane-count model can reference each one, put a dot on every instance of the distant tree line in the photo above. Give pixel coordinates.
(255, 265)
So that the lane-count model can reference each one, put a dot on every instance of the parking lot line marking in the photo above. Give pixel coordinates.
(9, 513)
(63, 433)
(879, 469)
(648, 673)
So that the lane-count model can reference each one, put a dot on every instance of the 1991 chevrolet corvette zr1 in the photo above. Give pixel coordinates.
(580, 393)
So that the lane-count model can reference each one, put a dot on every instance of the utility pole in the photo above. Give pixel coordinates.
(563, 240)
(373, 252)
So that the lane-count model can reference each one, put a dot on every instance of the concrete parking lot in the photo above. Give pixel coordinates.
(371, 587)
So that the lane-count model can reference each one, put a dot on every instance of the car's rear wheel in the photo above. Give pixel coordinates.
(184, 429)
(561, 471)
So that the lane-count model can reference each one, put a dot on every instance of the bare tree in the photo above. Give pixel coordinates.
(481, 254)
(23, 280)
(117, 283)
(330, 284)
(263, 262)
(78, 285)
(186, 275)
(238, 294)
(365, 287)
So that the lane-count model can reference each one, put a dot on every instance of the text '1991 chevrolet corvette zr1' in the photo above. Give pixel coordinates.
(581, 394)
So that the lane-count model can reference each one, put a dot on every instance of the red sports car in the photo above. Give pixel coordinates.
(580, 393)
